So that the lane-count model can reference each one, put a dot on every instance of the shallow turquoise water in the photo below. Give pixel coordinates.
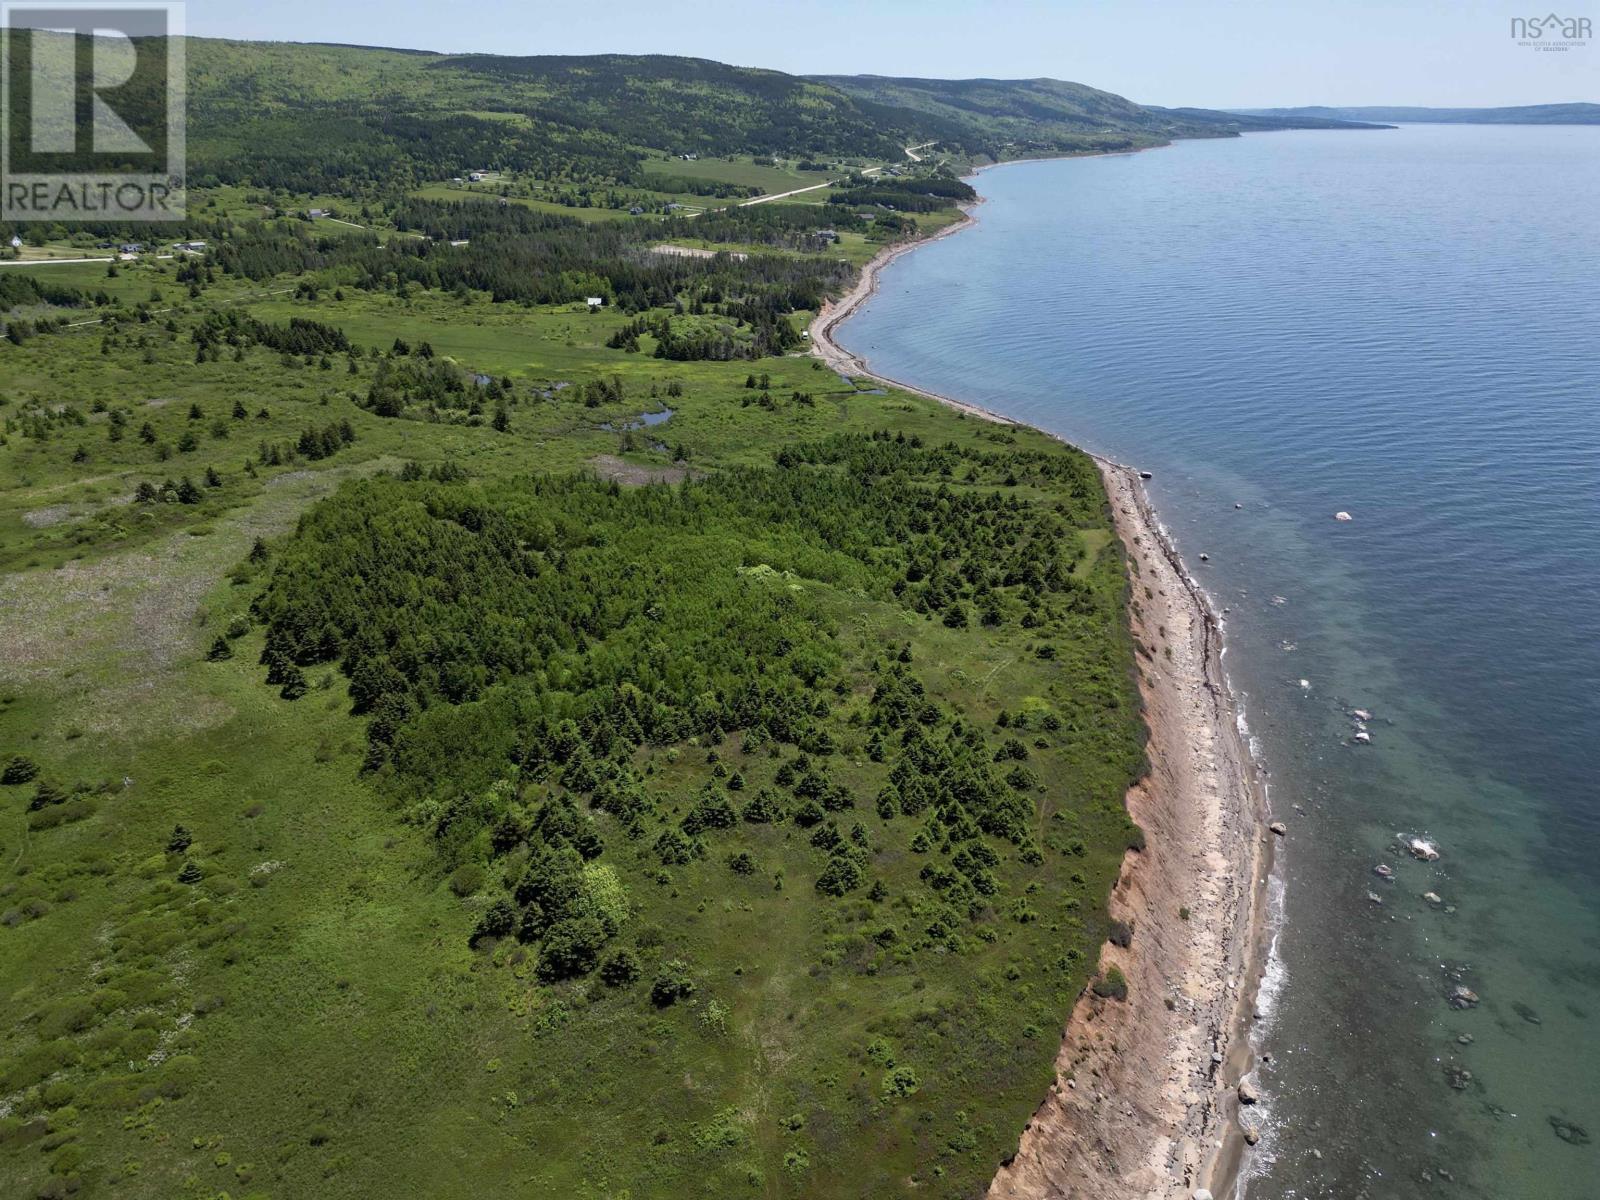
(1402, 325)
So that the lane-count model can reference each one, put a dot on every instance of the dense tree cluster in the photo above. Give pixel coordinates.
(300, 336)
(793, 226)
(514, 647)
(918, 193)
(317, 151)
(18, 290)
(315, 442)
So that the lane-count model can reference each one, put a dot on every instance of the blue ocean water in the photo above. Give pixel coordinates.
(1403, 325)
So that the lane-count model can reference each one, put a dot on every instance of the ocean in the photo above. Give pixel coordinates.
(1403, 326)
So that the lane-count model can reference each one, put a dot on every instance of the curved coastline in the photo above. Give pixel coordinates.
(1145, 1101)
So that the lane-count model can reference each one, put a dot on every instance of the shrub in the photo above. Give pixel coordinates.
(1120, 934)
(571, 948)
(889, 802)
(61, 814)
(673, 849)
(620, 969)
(672, 983)
(19, 768)
(1112, 985)
(712, 812)
(466, 879)
(190, 873)
(45, 794)
(763, 808)
(899, 1083)
(808, 814)
(741, 863)
(498, 920)
(841, 875)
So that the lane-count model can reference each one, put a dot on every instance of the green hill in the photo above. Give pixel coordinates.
(1013, 117)
(1526, 114)
(335, 119)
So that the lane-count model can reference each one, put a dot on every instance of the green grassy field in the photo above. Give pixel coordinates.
(489, 195)
(744, 171)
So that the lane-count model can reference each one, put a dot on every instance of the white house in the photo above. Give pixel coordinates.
(595, 302)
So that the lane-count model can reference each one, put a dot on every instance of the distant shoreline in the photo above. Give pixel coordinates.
(1168, 1098)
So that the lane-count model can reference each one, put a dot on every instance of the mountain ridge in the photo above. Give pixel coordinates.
(1574, 113)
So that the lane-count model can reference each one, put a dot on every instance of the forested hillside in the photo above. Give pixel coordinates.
(1010, 118)
(336, 119)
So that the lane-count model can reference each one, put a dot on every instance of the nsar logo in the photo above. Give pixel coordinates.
(1551, 32)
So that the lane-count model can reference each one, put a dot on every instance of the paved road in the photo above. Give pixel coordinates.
(815, 187)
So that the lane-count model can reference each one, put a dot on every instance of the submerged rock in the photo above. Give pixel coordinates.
(1279, 828)
(1526, 1013)
(1247, 1092)
(1383, 871)
(1341, 515)
(1569, 1132)
(1432, 897)
(1461, 996)
(1458, 1077)
(1421, 849)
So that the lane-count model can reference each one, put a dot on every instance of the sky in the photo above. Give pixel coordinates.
(1211, 53)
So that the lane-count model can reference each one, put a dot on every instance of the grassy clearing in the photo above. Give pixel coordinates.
(744, 171)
